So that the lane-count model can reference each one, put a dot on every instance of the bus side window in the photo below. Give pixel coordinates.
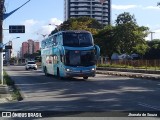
(50, 59)
(62, 58)
(43, 44)
(59, 39)
(54, 59)
(54, 40)
(47, 44)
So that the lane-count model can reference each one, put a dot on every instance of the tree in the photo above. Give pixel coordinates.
(33, 56)
(154, 49)
(81, 23)
(125, 18)
(128, 34)
(105, 40)
(141, 49)
(125, 37)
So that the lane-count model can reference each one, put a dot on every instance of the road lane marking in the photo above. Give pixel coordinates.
(148, 106)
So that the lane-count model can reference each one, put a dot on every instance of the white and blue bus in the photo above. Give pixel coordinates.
(70, 54)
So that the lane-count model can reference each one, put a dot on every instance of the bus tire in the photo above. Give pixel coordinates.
(45, 71)
(85, 78)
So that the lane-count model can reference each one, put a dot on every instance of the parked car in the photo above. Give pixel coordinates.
(31, 65)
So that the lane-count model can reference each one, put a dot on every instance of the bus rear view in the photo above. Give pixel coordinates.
(75, 53)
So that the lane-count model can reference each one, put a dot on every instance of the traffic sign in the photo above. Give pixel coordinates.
(8, 47)
(16, 29)
(5, 50)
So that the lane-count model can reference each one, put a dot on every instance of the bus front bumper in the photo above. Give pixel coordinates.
(80, 74)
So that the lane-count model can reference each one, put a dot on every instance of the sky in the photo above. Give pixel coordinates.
(37, 14)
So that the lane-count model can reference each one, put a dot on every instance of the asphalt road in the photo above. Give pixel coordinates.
(100, 93)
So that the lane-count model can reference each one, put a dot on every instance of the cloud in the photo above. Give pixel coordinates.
(152, 8)
(155, 35)
(124, 7)
(29, 24)
(157, 31)
(55, 21)
(47, 27)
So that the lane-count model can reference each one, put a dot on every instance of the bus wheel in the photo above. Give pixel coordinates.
(85, 77)
(45, 71)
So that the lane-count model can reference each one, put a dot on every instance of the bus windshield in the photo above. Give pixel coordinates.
(77, 39)
(79, 58)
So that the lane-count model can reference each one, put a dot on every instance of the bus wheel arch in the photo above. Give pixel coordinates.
(45, 71)
(58, 74)
(85, 77)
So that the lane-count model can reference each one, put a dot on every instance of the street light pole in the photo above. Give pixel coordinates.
(43, 35)
(10, 41)
(1, 40)
(58, 27)
(152, 35)
(8, 53)
(2, 17)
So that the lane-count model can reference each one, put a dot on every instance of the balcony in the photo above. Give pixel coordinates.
(80, 9)
(80, 13)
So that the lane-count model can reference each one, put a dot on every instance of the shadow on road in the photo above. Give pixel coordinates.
(102, 93)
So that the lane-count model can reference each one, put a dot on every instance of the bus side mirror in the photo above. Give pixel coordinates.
(97, 51)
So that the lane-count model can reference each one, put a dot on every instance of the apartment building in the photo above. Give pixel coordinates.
(29, 47)
(24, 48)
(98, 9)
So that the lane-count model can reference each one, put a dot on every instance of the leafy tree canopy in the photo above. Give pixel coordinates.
(125, 37)
(81, 23)
(154, 49)
(125, 18)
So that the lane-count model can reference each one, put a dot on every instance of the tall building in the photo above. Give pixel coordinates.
(24, 48)
(98, 9)
(36, 46)
(29, 47)
(9, 52)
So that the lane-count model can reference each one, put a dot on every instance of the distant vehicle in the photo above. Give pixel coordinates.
(31, 65)
(11, 63)
(70, 54)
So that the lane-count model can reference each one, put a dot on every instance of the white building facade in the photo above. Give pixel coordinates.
(98, 9)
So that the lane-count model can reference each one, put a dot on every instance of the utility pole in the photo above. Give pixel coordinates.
(2, 17)
(152, 35)
(1, 40)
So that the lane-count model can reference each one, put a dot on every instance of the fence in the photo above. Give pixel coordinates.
(134, 64)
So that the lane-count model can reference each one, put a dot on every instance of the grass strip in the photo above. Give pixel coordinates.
(9, 82)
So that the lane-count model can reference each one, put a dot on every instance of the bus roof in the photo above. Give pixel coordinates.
(76, 31)
(69, 31)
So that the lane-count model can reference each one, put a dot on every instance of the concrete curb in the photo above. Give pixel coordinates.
(129, 74)
(130, 70)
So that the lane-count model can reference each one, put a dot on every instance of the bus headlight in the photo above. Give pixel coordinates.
(68, 70)
(93, 69)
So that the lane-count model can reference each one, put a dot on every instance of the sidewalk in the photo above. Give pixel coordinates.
(5, 95)
(131, 74)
